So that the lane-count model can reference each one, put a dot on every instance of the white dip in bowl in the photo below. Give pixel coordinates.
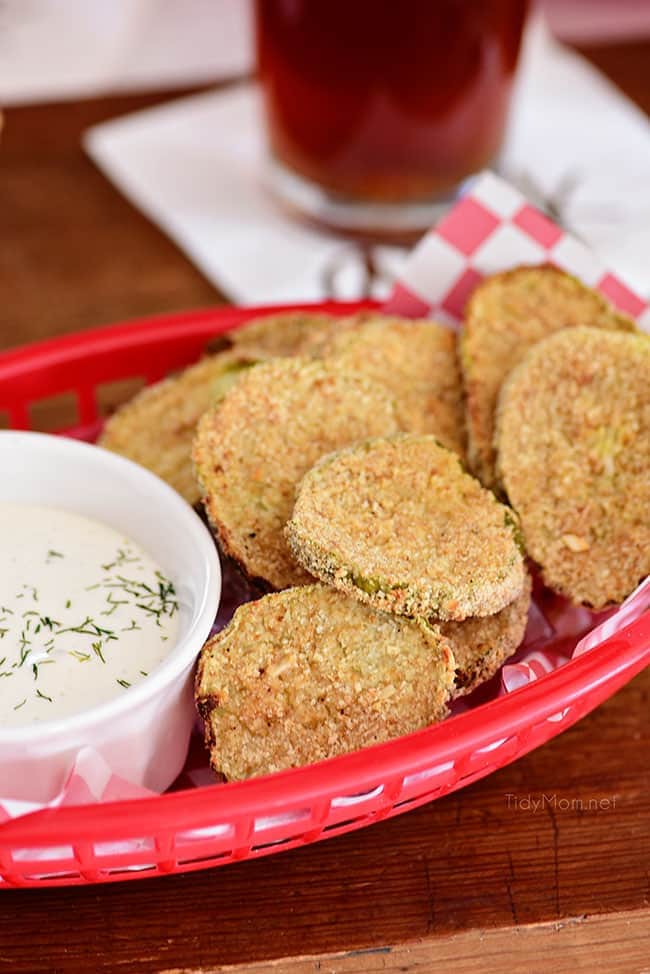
(109, 585)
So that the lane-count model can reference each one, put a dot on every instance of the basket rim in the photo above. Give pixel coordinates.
(109, 337)
(622, 655)
(628, 651)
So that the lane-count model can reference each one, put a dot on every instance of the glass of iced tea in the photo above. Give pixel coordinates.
(378, 110)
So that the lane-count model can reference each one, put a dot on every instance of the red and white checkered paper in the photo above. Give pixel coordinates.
(493, 228)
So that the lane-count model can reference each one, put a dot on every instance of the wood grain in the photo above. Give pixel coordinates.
(474, 860)
(74, 252)
(619, 942)
(476, 879)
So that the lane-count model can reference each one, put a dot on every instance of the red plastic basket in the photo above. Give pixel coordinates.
(214, 825)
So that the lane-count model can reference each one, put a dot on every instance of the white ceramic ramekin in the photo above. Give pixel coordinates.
(143, 735)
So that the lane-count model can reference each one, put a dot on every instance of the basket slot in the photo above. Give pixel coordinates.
(5, 421)
(31, 864)
(122, 870)
(132, 846)
(277, 843)
(421, 799)
(345, 825)
(493, 754)
(56, 853)
(205, 833)
(429, 781)
(110, 395)
(345, 801)
(217, 344)
(57, 879)
(466, 779)
(54, 412)
(277, 828)
(209, 859)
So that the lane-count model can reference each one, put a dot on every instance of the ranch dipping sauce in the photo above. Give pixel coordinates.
(85, 614)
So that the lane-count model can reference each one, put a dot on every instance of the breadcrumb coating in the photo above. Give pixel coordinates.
(505, 316)
(481, 646)
(283, 334)
(573, 439)
(157, 426)
(396, 523)
(251, 451)
(307, 674)
(415, 360)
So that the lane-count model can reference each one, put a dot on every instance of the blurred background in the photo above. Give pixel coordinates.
(143, 169)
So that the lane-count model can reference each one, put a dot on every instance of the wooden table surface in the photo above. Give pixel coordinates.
(479, 880)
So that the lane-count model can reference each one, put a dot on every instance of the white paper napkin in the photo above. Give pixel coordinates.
(196, 167)
(57, 49)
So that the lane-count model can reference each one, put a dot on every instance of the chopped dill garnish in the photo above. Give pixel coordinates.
(82, 657)
(89, 628)
(97, 649)
(133, 625)
(122, 558)
(145, 596)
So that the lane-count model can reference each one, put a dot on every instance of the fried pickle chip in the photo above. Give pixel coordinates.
(157, 426)
(307, 674)
(505, 316)
(480, 646)
(396, 523)
(251, 451)
(573, 441)
(283, 334)
(415, 360)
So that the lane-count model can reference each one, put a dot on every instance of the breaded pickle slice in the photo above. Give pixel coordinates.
(252, 450)
(396, 523)
(157, 426)
(573, 438)
(307, 674)
(416, 361)
(481, 646)
(505, 316)
(283, 334)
